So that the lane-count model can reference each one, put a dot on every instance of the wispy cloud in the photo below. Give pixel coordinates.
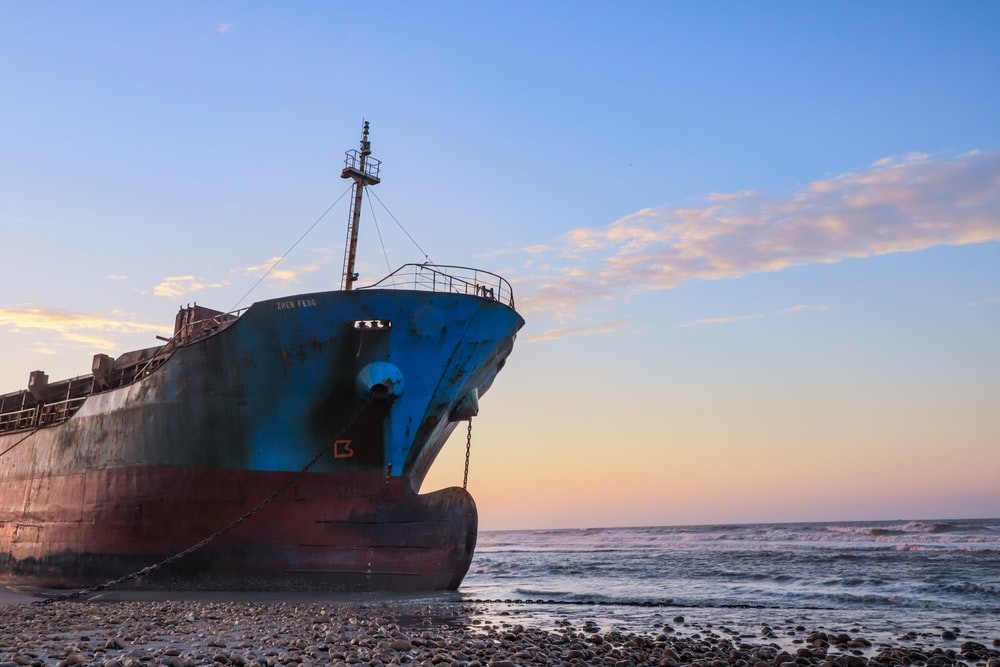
(732, 319)
(896, 205)
(285, 275)
(804, 308)
(116, 276)
(553, 334)
(79, 329)
(174, 286)
(224, 28)
(88, 340)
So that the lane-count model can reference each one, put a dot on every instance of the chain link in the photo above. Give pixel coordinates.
(374, 524)
(468, 455)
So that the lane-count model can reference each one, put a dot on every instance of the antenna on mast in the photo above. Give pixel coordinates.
(360, 166)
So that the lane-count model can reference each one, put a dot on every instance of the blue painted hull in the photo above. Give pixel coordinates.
(371, 381)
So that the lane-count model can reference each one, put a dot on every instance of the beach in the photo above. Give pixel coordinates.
(185, 633)
(769, 595)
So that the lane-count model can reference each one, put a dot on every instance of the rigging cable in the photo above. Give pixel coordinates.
(279, 260)
(426, 256)
(385, 254)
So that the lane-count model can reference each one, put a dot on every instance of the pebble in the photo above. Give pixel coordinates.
(244, 634)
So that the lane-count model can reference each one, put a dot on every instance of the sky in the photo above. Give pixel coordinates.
(757, 245)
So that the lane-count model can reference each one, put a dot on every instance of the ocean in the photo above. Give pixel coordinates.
(882, 579)
(931, 582)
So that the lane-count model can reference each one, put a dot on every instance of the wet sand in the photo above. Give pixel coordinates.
(139, 633)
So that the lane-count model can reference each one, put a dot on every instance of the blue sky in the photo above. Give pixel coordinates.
(756, 243)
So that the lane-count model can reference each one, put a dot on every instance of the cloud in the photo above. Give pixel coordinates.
(18, 319)
(896, 205)
(804, 308)
(731, 319)
(80, 329)
(174, 286)
(721, 320)
(116, 276)
(87, 340)
(553, 334)
(224, 28)
(284, 276)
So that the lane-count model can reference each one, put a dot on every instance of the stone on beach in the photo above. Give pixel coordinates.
(245, 634)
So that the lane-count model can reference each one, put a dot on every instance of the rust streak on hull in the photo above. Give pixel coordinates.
(326, 532)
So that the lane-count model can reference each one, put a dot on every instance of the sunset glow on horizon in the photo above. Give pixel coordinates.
(757, 247)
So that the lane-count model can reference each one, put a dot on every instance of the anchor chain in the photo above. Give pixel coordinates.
(468, 455)
(222, 531)
(374, 525)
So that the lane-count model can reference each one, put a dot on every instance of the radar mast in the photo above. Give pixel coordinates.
(360, 166)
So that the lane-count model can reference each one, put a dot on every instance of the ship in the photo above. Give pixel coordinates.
(281, 446)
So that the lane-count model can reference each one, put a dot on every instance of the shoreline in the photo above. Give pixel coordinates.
(136, 633)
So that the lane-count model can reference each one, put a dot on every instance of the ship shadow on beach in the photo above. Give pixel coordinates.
(25, 594)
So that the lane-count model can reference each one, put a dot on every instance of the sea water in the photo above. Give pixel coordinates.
(930, 582)
(881, 579)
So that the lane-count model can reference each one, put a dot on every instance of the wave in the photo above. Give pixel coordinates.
(579, 597)
(543, 593)
(884, 532)
(971, 588)
(875, 566)
(931, 527)
(962, 536)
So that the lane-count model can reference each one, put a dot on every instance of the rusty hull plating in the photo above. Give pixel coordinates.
(110, 472)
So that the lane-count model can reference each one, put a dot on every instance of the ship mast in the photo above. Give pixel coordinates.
(360, 166)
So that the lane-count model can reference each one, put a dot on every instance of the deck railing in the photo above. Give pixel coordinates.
(424, 277)
(17, 419)
(451, 279)
(43, 414)
(20, 411)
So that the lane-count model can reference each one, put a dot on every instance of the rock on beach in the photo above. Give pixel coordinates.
(256, 634)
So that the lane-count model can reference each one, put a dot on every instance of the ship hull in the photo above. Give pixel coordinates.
(324, 532)
(334, 403)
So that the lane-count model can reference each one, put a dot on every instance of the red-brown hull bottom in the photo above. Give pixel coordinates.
(325, 531)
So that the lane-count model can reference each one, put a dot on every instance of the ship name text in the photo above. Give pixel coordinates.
(296, 303)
